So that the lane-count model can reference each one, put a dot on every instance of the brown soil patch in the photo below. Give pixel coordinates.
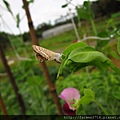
(116, 62)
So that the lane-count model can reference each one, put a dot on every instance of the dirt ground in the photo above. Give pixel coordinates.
(116, 62)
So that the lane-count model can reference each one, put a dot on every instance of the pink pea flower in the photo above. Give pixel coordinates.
(71, 97)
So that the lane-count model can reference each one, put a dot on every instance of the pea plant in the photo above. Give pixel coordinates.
(81, 89)
(80, 55)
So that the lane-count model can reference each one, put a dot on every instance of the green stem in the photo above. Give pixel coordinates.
(101, 107)
(94, 30)
(93, 26)
(92, 21)
(88, 74)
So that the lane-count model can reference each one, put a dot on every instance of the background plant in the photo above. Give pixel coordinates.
(32, 84)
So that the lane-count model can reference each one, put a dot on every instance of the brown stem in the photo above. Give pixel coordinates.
(43, 65)
(3, 106)
(51, 88)
(12, 80)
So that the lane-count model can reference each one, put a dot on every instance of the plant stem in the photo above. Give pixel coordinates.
(74, 26)
(93, 26)
(105, 112)
(43, 64)
(13, 82)
(88, 74)
(95, 37)
(2, 105)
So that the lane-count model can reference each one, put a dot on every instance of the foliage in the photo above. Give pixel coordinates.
(4, 41)
(8, 6)
(99, 90)
(80, 55)
(33, 89)
(105, 87)
(18, 19)
(85, 12)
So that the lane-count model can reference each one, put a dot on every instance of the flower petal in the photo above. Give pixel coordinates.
(70, 95)
(67, 110)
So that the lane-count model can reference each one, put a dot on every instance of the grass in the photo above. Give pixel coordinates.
(104, 85)
(60, 42)
(23, 70)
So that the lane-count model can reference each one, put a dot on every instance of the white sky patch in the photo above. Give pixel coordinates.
(41, 11)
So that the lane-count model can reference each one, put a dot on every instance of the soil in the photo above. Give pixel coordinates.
(116, 62)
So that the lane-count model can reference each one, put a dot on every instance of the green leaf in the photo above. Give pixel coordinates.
(72, 47)
(118, 45)
(102, 43)
(80, 55)
(85, 12)
(110, 64)
(89, 92)
(88, 96)
(30, 1)
(89, 56)
(110, 23)
(66, 53)
(115, 15)
(86, 4)
(85, 100)
(65, 5)
(61, 67)
(8, 6)
(116, 94)
(18, 20)
(115, 55)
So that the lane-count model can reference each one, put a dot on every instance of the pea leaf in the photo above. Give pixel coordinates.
(30, 1)
(8, 6)
(89, 92)
(85, 100)
(84, 12)
(73, 46)
(88, 96)
(66, 53)
(65, 5)
(89, 56)
(18, 20)
(80, 55)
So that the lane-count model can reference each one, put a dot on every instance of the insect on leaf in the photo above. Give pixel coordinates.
(43, 54)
